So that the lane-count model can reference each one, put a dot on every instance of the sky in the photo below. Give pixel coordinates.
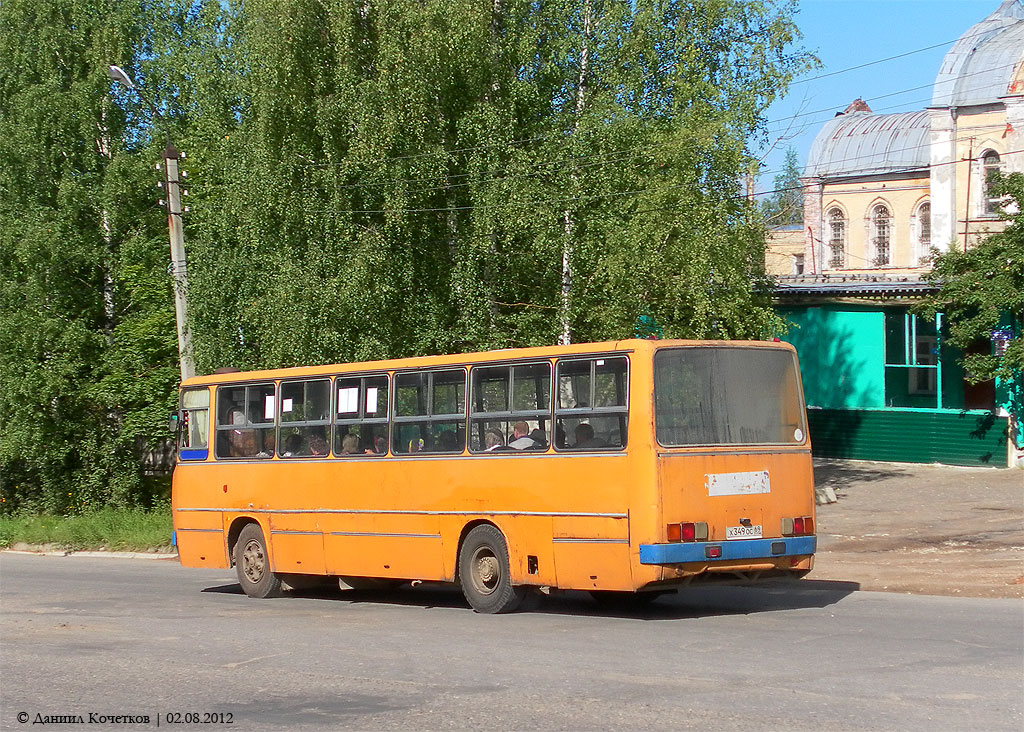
(847, 33)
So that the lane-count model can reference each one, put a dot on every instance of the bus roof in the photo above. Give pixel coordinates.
(507, 354)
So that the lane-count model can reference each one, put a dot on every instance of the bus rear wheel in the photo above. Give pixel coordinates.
(484, 572)
(253, 566)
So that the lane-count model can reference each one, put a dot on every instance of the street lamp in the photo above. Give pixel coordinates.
(174, 227)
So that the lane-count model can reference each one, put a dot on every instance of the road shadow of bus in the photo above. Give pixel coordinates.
(688, 602)
(841, 474)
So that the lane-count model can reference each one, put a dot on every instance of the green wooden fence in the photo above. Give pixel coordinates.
(910, 435)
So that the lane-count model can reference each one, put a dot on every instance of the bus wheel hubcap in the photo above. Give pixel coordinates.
(253, 562)
(487, 571)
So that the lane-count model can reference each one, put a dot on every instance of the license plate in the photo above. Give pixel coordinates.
(743, 532)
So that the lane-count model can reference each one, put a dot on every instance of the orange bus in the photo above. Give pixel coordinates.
(631, 466)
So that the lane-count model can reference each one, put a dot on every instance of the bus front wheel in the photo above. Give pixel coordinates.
(484, 572)
(253, 566)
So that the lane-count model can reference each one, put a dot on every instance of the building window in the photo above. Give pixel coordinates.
(798, 264)
(880, 224)
(990, 166)
(924, 232)
(837, 239)
(912, 363)
(922, 381)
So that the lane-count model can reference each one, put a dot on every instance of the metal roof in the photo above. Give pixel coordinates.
(982, 66)
(852, 286)
(862, 143)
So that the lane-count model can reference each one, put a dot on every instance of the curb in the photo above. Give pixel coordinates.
(93, 554)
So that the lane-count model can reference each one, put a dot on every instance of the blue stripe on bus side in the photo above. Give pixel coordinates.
(193, 454)
(736, 549)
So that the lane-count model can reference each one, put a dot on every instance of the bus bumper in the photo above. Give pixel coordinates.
(724, 551)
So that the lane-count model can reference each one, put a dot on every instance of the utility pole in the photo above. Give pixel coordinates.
(178, 268)
(176, 230)
(970, 174)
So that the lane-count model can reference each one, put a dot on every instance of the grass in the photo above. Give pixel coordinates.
(111, 529)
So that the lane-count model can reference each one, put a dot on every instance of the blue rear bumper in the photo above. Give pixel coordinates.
(731, 550)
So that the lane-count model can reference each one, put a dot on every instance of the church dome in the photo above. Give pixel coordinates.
(862, 143)
(986, 63)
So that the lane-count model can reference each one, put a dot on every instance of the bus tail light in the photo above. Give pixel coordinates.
(687, 531)
(800, 526)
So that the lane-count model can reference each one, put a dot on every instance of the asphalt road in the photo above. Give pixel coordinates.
(147, 637)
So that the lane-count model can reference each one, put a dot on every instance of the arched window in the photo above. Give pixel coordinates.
(880, 239)
(990, 165)
(924, 232)
(836, 238)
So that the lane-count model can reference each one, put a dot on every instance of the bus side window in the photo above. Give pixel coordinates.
(429, 412)
(361, 416)
(506, 396)
(592, 405)
(245, 421)
(194, 433)
(305, 414)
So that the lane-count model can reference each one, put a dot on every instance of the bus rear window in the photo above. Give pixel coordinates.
(727, 396)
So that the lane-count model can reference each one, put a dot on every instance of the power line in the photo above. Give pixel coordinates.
(872, 63)
(896, 93)
(888, 58)
(615, 194)
(536, 167)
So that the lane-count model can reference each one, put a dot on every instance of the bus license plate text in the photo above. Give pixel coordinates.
(743, 532)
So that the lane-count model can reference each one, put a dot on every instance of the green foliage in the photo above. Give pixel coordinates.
(113, 529)
(400, 178)
(84, 338)
(785, 204)
(368, 179)
(982, 289)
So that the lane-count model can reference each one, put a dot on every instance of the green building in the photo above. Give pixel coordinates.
(881, 384)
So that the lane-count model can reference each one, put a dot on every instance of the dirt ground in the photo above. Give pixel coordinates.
(922, 529)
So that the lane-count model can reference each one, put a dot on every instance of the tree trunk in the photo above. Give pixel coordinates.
(567, 245)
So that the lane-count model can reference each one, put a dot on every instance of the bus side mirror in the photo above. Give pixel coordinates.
(172, 423)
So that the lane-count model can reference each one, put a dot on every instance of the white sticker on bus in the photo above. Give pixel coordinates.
(371, 400)
(268, 407)
(737, 484)
(348, 400)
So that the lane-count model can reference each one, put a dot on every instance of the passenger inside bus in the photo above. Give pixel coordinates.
(521, 439)
(243, 442)
(292, 445)
(585, 436)
(317, 446)
(493, 439)
(539, 438)
(269, 444)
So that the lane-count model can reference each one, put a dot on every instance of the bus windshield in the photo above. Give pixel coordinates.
(727, 396)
